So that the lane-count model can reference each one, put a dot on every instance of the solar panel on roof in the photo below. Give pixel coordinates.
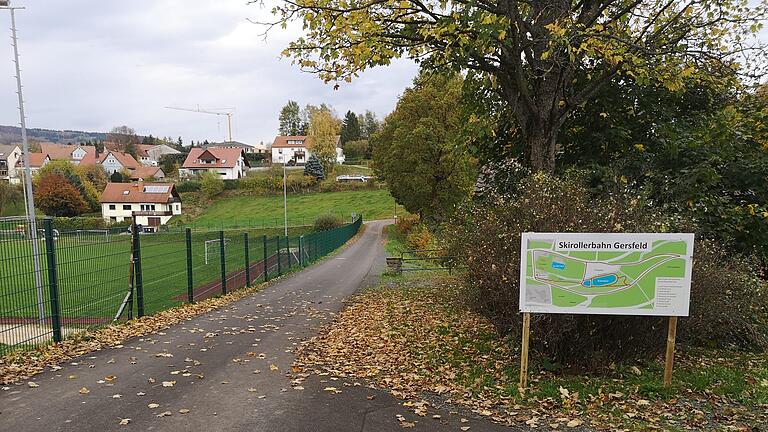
(156, 189)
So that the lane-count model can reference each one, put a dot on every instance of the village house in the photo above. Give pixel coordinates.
(153, 204)
(147, 172)
(9, 156)
(114, 161)
(228, 163)
(292, 150)
(76, 154)
(150, 155)
(248, 148)
(36, 161)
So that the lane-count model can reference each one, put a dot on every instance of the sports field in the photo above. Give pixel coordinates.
(94, 271)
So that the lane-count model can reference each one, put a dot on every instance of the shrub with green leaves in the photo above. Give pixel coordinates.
(211, 184)
(327, 222)
(728, 299)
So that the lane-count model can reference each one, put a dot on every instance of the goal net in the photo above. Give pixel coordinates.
(213, 248)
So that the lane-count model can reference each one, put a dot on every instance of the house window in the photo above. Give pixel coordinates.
(126, 206)
(280, 151)
(112, 207)
(113, 218)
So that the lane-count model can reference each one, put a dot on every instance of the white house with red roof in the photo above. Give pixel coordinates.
(153, 204)
(113, 161)
(293, 150)
(228, 162)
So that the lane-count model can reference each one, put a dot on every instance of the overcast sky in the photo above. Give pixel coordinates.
(94, 64)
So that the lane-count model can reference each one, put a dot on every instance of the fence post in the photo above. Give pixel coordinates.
(266, 259)
(279, 266)
(288, 249)
(247, 261)
(138, 282)
(190, 280)
(301, 251)
(223, 258)
(53, 281)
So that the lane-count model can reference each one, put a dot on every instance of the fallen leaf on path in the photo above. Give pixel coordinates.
(33, 384)
(124, 421)
(169, 383)
(183, 411)
(153, 405)
(84, 391)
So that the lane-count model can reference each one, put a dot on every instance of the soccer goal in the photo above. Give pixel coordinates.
(93, 236)
(214, 247)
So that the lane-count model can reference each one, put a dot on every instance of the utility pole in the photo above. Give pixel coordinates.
(30, 197)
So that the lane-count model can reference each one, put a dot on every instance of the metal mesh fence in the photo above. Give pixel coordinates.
(53, 284)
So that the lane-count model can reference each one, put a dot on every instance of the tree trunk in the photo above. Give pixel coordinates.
(540, 142)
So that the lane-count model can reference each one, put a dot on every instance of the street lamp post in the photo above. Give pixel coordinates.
(285, 196)
(30, 198)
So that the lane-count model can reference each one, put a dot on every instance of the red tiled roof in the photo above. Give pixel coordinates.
(35, 160)
(158, 193)
(125, 159)
(145, 172)
(224, 157)
(281, 141)
(64, 152)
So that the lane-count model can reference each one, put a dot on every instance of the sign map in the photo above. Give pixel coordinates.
(616, 274)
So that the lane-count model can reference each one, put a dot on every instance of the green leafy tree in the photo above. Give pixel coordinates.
(211, 184)
(55, 195)
(314, 168)
(350, 128)
(323, 136)
(290, 119)
(416, 152)
(77, 177)
(356, 149)
(9, 195)
(543, 59)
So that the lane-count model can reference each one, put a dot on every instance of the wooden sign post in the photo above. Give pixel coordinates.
(524, 352)
(669, 358)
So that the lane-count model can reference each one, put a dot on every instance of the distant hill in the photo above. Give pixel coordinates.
(12, 134)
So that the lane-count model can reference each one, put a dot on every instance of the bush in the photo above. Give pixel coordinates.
(211, 184)
(420, 238)
(727, 298)
(78, 223)
(327, 222)
(188, 186)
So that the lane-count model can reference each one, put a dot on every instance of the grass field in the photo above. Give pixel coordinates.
(302, 209)
(93, 274)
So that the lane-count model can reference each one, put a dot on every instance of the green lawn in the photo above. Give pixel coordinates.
(93, 274)
(302, 209)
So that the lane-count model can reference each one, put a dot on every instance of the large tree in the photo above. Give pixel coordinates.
(125, 139)
(350, 128)
(290, 119)
(56, 196)
(416, 152)
(323, 134)
(544, 58)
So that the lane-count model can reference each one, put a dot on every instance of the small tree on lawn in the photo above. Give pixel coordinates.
(314, 168)
(56, 196)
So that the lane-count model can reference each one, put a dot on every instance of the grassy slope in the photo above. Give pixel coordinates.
(302, 209)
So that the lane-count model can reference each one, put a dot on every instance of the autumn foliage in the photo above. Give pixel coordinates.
(56, 196)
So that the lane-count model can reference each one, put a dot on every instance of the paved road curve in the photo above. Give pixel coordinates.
(226, 370)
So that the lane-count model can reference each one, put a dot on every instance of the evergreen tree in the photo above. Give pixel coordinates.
(116, 177)
(290, 119)
(350, 128)
(314, 168)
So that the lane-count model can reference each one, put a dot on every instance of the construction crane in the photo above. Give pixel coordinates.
(218, 113)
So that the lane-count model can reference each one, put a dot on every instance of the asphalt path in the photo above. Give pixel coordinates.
(228, 370)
